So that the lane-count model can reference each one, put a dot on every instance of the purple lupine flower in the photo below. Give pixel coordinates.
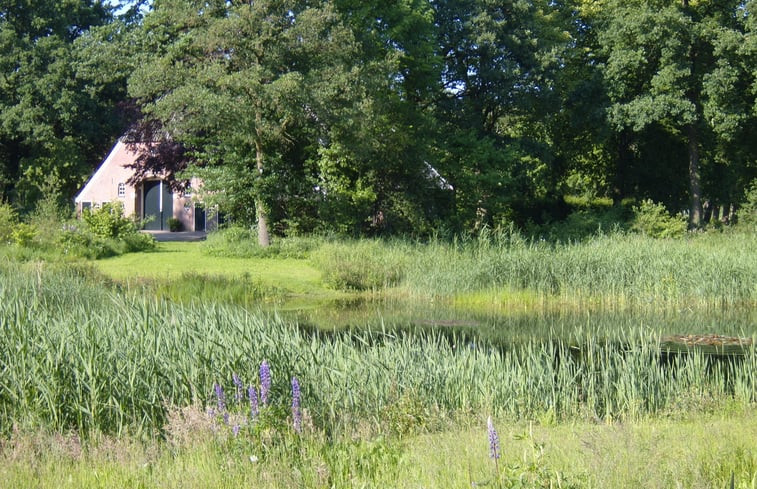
(296, 411)
(220, 398)
(253, 395)
(265, 382)
(235, 429)
(493, 440)
(226, 418)
(239, 386)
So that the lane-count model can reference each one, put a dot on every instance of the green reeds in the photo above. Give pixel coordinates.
(699, 270)
(75, 354)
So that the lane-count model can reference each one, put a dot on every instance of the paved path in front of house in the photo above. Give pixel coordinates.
(178, 236)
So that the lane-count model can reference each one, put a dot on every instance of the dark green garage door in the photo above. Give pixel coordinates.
(157, 205)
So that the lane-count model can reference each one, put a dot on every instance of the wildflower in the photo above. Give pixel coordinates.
(296, 412)
(253, 395)
(493, 440)
(235, 430)
(265, 382)
(239, 386)
(220, 398)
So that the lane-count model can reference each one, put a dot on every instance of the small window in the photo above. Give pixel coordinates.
(121, 190)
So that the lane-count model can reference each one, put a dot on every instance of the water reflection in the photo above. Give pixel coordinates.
(510, 325)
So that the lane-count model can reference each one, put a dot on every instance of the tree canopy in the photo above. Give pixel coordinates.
(400, 116)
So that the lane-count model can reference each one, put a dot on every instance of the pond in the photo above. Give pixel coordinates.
(507, 325)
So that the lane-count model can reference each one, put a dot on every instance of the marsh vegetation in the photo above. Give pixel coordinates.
(395, 344)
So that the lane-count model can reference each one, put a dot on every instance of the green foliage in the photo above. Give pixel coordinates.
(246, 107)
(23, 234)
(533, 471)
(201, 287)
(78, 242)
(361, 265)
(8, 220)
(94, 360)
(48, 214)
(136, 242)
(368, 460)
(106, 232)
(388, 118)
(264, 428)
(585, 455)
(632, 266)
(583, 223)
(174, 225)
(54, 120)
(240, 242)
(652, 219)
(108, 221)
(409, 415)
(747, 214)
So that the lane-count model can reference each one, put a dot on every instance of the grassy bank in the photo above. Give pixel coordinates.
(701, 452)
(622, 270)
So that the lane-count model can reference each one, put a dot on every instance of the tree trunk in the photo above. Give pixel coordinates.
(263, 238)
(707, 209)
(695, 190)
(623, 164)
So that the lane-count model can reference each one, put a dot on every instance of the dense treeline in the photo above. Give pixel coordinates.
(403, 116)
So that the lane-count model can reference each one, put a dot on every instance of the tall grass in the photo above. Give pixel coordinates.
(699, 270)
(76, 354)
(241, 242)
(363, 264)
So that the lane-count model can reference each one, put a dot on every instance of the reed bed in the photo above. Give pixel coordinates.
(627, 268)
(77, 354)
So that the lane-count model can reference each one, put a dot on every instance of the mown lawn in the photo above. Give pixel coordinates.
(172, 260)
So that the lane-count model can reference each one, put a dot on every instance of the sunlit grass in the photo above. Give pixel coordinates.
(172, 261)
(702, 451)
